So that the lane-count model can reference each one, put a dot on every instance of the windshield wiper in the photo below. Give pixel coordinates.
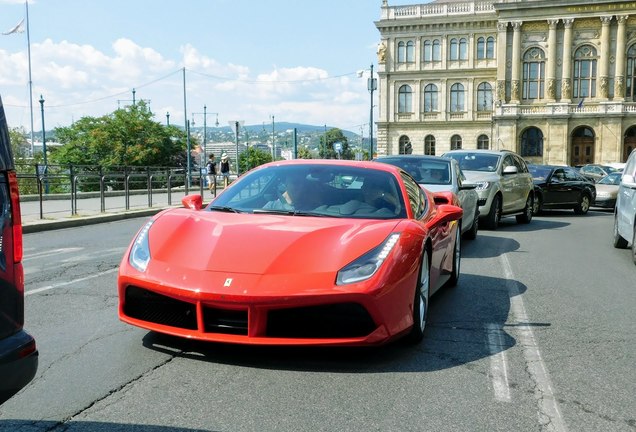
(225, 209)
(289, 212)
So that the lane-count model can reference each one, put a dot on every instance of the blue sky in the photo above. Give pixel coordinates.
(245, 59)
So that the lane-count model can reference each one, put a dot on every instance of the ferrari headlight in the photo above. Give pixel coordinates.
(140, 251)
(366, 266)
(482, 185)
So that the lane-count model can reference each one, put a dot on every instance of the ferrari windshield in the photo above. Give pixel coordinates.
(315, 190)
(471, 161)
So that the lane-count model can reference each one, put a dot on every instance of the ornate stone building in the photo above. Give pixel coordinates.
(553, 80)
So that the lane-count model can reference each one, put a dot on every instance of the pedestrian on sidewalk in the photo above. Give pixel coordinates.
(211, 172)
(225, 169)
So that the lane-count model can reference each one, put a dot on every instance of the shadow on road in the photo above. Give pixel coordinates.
(460, 331)
(85, 426)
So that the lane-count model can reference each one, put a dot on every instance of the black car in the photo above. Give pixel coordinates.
(18, 353)
(559, 187)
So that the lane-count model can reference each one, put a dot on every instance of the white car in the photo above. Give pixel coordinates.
(625, 211)
(439, 174)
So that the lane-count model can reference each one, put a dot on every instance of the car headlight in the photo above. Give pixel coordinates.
(369, 263)
(140, 251)
(482, 185)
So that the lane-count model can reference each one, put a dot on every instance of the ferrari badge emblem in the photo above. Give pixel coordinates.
(228, 282)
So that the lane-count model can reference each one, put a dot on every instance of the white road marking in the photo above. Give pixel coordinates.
(71, 282)
(498, 363)
(550, 417)
(53, 252)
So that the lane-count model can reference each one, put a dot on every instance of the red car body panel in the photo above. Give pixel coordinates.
(255, 264)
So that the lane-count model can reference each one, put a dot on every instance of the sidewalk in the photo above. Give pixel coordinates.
(56, 213)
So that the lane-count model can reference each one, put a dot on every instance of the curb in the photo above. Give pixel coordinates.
(46, 225)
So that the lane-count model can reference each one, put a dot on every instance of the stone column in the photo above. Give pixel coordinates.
(603, 80)
(515, 94)
(550, 73)
(500, 92)
(619, 80)
(566, 75)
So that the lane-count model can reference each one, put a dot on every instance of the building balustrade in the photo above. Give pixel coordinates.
(446, 9)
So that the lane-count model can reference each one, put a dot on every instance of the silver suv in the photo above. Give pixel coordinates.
(625, 210)
(504, 183)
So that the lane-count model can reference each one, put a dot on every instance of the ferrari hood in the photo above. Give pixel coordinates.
(261, 243)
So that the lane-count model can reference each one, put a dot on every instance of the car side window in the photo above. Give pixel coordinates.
(417, 198)
(521, 164)
(558, 176)
(508, 161)
(570, 175)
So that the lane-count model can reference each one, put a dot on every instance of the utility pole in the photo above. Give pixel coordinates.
(372, 84)
(46, 166)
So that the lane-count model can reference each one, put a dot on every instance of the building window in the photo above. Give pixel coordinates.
(405, 99)
(484, 97)
(405, 145)
(584, 84)
(630, 82)
(486, 48)
(482, 142)
(406, 52)
(457, 98)
(458, 49)
(532, 142)
(456, 142)
(533, 74)
(432, 51)
(429, 145)
(430, 98)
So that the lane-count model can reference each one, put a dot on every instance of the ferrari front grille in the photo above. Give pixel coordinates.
(225, 321)
(342, 320)
(159, 309)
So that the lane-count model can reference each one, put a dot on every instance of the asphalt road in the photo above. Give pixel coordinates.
(539, 335)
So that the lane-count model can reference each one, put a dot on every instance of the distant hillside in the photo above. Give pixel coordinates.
(301, 128)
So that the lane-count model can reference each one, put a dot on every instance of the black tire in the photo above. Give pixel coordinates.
(619, 241)
(471, 234)
(583, 206)
(420, 302)
(457, 260)
(537, 207)
(494, 215)
(528, 211)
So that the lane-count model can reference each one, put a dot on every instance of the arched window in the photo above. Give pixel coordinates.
(584, 84)
(481, 48)
(432, 51)
(457, 98)
(429, 145)
(430, 98)
(490, 47)
(532, 142)
(454, 49)
(456, 142)
(533, 74)
(410, 52)
(482, 142)
(630, 82)
(405, 145)
(401, 58)
(463, 49)
(405, 99)
(484, 97)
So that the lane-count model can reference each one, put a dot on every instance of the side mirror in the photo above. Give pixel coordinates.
(192, 202)
(629, 181)
(448, 213)
(511, 169)
(468, 186)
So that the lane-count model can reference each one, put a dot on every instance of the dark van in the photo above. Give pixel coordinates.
(18, 353)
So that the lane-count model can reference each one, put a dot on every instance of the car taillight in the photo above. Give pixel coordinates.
(16, 217)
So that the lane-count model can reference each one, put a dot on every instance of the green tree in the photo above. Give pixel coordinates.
(253, 157)
(327, 141)
(128, 136)
(303, 153)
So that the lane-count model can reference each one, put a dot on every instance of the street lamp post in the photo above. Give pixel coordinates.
(236, 124)
(167, 118)
(372, 84)
(46, 183)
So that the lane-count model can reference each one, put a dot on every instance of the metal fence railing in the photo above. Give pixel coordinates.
(74, 182)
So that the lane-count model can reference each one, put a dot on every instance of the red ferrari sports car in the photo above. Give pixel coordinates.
(304, 252)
